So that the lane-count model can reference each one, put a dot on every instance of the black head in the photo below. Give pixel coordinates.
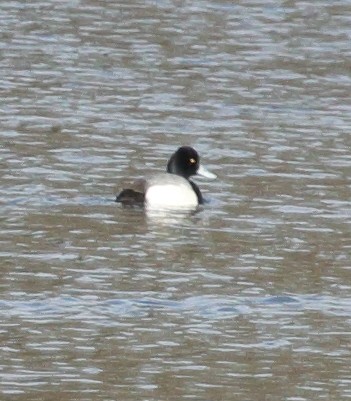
(184, 162)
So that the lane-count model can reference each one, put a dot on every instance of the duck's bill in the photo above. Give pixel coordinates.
(205, 173)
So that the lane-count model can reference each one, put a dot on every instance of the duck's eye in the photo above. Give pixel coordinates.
(192, 161)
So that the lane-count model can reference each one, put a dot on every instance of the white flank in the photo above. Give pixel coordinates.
(171, 196)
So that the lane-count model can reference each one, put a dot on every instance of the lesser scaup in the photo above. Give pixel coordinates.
(173, 189)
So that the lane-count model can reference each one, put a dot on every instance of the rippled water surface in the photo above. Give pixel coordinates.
(248, 299)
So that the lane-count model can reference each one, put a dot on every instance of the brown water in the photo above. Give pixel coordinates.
(249, 299)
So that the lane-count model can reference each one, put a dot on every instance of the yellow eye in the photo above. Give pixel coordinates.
(192, 161)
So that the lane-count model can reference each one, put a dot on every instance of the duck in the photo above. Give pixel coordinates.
(172, 189)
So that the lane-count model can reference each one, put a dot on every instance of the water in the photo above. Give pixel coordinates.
(248, 299)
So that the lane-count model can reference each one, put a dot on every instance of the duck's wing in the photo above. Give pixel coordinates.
(134, 195)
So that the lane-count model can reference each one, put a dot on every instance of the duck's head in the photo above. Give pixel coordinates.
(186, 163)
